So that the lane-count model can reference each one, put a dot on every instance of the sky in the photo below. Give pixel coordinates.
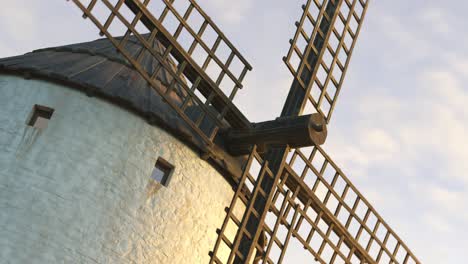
(399, 131)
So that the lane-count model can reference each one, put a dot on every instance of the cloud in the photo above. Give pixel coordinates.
(445, 198)
(232, 11)
(19, 26)
(436, 20)
(378, 141)
(403, 38)
(398, 129)
(5, 51)
(445, 211)
(447, 120)
(19, 23)
(438, 223)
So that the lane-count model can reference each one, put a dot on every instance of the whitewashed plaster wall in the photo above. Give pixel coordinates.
(80, 191)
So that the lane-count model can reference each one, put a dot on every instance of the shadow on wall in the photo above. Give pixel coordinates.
(30, 135)
(152, 188)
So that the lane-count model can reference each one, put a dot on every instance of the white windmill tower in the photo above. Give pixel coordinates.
(129, 149)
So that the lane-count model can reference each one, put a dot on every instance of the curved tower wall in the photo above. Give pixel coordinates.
(80, 191)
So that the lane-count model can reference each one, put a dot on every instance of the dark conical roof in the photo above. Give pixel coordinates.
(97, 69)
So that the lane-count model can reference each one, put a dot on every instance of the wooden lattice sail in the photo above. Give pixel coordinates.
(292, 181)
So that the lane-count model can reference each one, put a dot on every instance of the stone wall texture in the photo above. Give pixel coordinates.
(80, 191)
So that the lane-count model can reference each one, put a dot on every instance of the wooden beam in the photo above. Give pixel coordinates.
(295, 131)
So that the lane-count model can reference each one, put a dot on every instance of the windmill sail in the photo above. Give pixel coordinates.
(323, 23)
(308, 196)
(314, 203)
(338, 214)
(227, 247)
(193, 56)
(320, 53)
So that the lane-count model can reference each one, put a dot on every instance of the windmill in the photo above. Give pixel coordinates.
(287, 175)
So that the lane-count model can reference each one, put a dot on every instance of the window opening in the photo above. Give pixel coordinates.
(162, 172)
(40, 116)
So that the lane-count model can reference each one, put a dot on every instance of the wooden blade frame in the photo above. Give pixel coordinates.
(188, 72)
(314, 203)
(307, 195)
(336, 212)
(318, 60)
(227, 247)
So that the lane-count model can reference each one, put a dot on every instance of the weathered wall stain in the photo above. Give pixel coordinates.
(30, 135)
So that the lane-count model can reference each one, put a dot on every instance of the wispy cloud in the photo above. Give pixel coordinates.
(232, 11)
(18, 23)
(405, 43)
(436, 20)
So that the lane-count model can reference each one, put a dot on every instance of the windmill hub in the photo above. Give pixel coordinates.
(318, 123)
(293, 131)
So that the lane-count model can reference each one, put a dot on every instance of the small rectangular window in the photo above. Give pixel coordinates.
(162, 172)
(40, 116)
